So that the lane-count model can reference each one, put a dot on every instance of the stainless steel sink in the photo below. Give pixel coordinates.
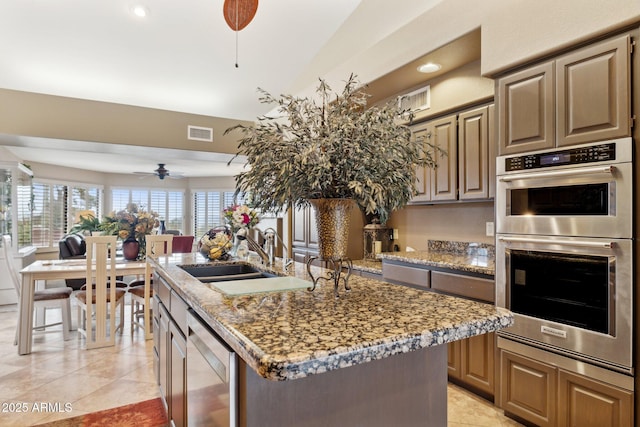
(219, 273)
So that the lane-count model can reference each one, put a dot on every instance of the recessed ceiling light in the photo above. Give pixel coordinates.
(140, 11)
(429, 67)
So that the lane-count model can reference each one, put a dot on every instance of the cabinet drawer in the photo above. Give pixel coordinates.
(164, 291)
(464, 286)
(405, 275)
(179, 312)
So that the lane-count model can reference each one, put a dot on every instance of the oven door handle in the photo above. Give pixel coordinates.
(581, 243)
(565, 172)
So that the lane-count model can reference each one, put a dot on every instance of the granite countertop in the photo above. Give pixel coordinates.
(460, 256)
(293, 334)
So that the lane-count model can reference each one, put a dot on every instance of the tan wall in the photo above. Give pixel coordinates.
(513, 31)
(464, 222)
(32, 114)
(455, 90)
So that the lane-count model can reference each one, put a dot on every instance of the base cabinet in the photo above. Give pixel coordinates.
(583, 402)
(471, 362)
(549, 396)
(170, 351)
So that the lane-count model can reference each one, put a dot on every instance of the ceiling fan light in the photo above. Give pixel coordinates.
(429, 67)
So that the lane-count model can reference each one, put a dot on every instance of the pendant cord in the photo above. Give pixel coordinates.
(236, 33)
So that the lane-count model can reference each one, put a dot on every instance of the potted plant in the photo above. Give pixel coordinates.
(331, 151)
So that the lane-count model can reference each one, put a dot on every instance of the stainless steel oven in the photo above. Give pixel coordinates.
(580, 191)
(571, 295)
(564, 252)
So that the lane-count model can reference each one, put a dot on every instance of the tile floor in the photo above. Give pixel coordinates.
(61, 379)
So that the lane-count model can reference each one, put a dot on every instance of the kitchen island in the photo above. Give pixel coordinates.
(371, 356)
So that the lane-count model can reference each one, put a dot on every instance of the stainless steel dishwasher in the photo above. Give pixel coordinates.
(212, 386)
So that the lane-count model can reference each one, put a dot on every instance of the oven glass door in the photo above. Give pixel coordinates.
(575, 200)
(570, 289)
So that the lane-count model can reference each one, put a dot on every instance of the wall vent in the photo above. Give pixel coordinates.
(198, 133)
(416, 100)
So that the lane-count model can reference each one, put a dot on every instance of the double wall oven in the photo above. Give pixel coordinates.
(564, 250)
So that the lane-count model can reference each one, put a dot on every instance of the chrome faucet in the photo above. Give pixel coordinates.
(271, 236)
(243, 234)
(266, 254)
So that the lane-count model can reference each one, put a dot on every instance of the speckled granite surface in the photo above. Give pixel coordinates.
(293, 334)
(369, 266)
(461, 256)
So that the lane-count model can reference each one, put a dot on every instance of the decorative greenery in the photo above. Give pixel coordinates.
(332, 148)
(87, 222)
(240, 216)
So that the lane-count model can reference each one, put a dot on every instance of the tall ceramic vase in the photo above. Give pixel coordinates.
(332, 219)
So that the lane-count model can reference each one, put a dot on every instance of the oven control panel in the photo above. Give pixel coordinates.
(570, 156)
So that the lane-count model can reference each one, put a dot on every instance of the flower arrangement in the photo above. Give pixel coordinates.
(216, 243)
(240, 216)
(130, 222)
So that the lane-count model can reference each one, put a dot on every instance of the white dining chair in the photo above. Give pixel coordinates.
(47, 298)
(140, 290)
(94, 301)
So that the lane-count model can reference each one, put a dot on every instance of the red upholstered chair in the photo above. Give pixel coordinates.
(182, 244)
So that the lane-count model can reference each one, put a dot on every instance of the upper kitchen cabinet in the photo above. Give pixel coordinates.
(473, 154)
(594, 97)
(584, 95)
(525, 110)
(463, 173)
(440, 183)
(422, 132)
(444, 177)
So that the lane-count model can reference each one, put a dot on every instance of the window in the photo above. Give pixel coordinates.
(56, 206)
(169, 205)
(208, 207)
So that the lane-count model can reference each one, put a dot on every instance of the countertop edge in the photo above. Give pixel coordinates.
(274, 368)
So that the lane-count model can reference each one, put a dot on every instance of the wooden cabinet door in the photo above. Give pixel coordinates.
(477, 358)
(178, 377)
(422, 132)
(453, 359)
(163, 356)
(493, 148)
(473, 154)
(444, 178)
(593, 92)
(299, 227)
(312, 228)
(528, 389)
(587, 403)
(526, 110)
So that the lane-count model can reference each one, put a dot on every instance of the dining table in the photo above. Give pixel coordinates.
(51, 270)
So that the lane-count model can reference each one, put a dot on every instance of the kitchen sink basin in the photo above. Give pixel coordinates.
(219, 273)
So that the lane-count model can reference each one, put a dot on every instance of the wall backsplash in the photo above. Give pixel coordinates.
(464, 222)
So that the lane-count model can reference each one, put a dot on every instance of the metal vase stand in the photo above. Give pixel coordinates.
(335, 274)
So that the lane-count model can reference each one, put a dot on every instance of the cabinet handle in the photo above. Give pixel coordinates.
(581, 243)
(565, 172)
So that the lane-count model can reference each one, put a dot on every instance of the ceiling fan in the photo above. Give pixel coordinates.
(162, 172)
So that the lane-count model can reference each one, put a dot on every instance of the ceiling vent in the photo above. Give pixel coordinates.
(198, 133)
(417, 100)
